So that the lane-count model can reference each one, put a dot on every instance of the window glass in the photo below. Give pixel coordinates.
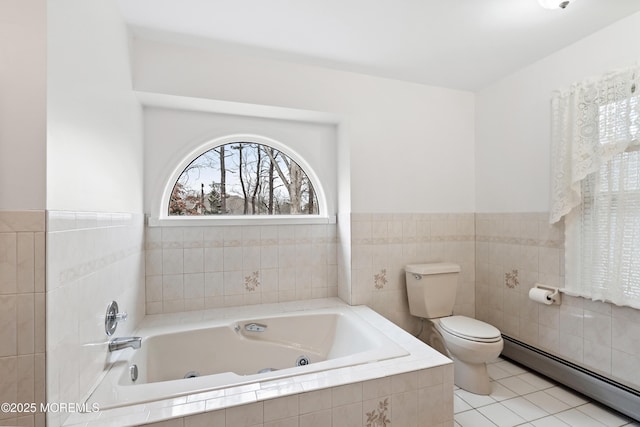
(243, 178)
(610, 229)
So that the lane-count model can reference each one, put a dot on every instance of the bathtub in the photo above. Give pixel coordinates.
(179, 358)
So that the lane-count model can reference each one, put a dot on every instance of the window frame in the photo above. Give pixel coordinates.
(164, 219)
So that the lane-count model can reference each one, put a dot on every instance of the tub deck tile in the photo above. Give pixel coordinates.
(231, 401)
(284, 390)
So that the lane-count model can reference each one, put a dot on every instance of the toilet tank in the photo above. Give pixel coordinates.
(431, 289)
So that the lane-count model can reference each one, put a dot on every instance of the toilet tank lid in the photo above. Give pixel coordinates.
(433, 268)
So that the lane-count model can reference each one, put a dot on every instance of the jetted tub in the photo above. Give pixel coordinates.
(176, 360)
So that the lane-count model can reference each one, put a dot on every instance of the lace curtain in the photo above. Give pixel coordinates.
(595, 185)
(590, 123)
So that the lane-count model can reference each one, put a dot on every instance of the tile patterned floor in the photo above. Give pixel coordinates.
(523, 398)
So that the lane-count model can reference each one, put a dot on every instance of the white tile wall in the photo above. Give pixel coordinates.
(193, 268)
(92, 259)
(597, 335)
(382, 244)
(22, 314)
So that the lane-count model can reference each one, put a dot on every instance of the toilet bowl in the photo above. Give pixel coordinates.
(471, 343)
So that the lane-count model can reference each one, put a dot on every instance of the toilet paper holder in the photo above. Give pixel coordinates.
(554, 297)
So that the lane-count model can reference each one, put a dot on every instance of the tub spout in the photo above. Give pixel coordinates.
(125, 342)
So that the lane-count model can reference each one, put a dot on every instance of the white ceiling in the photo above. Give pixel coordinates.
(463, 44)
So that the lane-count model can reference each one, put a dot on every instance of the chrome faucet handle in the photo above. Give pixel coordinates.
(112, 317)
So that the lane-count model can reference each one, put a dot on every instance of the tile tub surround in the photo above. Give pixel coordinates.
(22, 313)
(92, 259)
(415, 390)
(195, 268)
(601, 337)
(382, 244)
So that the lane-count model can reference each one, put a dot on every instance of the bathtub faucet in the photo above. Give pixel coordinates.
(125, 342)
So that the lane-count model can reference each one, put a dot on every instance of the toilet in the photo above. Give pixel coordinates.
(431, 289)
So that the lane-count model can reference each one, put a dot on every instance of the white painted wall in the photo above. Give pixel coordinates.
(513, 118)
(94, 130)
(23, 55)
(411, 146)
(95, 226)
(172, 135)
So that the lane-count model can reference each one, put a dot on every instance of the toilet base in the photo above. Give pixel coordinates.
(472, 377)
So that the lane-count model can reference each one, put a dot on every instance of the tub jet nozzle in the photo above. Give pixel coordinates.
(191, 374)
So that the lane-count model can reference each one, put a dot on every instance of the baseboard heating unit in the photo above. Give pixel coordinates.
(620, 397)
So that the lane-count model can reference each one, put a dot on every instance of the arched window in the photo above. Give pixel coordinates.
(243, 178)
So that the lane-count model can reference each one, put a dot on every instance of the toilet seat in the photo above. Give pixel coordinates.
(470, 329)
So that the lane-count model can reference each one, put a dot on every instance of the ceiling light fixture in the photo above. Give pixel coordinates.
(554, 4)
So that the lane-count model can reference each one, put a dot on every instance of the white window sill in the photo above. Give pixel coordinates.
(233, 220)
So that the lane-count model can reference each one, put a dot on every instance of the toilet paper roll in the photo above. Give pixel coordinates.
(540, 295)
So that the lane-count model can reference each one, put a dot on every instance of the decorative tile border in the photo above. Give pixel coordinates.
(523, 229)
(255, 236)
(79, 271)
(546, 243)
(413, 239)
